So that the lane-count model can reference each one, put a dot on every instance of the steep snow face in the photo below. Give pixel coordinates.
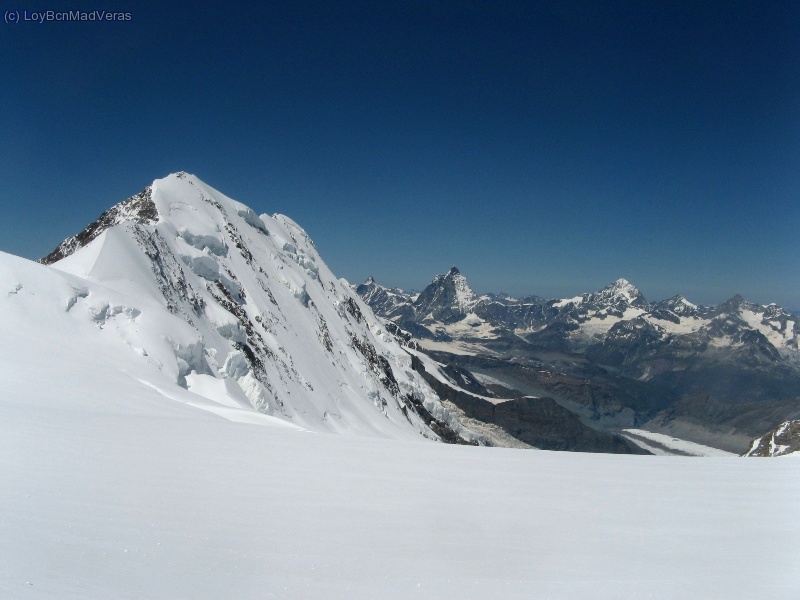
(239, 308)
(138, 208)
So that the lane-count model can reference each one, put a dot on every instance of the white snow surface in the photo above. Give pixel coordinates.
(565, 301)
(110, 489)
(686, 325)
(599, 324)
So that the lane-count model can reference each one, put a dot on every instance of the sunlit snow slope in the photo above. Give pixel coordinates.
(237, 309)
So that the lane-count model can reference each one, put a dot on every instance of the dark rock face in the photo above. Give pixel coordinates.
(447, 299)
(721, 423)
(139, 209)
(392, 304)
(525, 313)
(465, 380)
(592, 393)
(544, 424)
(626, 343)
(440, 428)
(784, 439)
(539, 422)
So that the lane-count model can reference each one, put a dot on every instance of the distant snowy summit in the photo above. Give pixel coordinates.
(723, 374)
(449, 300)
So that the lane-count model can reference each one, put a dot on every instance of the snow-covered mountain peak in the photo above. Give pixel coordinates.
(392, 303)
(221, 301)
(621, 292)
(734, 305)
(736, 300)
(466, 297)
(448, 298)
(139, 209)
(623, 287)
(679, 306)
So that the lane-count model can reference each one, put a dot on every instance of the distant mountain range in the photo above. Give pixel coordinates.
(715, 374)
(191, 294)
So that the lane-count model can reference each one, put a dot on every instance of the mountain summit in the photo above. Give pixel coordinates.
(448, 298)
(619, 294)
(240, 310)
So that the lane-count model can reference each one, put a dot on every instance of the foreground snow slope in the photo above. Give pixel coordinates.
(115, 482)
(143, 497)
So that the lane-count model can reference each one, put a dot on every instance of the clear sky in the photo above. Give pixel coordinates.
(543, 147)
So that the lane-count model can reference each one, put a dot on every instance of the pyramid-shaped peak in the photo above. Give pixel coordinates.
(620, 291)
(681, 300)
(677, 304)
(622, 283)
(622, 286)
(447, 298)
(732, 303)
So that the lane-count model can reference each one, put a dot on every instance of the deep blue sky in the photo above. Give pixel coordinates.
(544, 148)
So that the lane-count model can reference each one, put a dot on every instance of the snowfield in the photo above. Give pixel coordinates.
(115, 491)
(143, 456)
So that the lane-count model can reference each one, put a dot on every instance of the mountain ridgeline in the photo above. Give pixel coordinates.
(718, 375)
(238, 313)
(240, 309)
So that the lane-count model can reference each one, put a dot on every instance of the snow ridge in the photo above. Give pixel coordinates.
(246, 301)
